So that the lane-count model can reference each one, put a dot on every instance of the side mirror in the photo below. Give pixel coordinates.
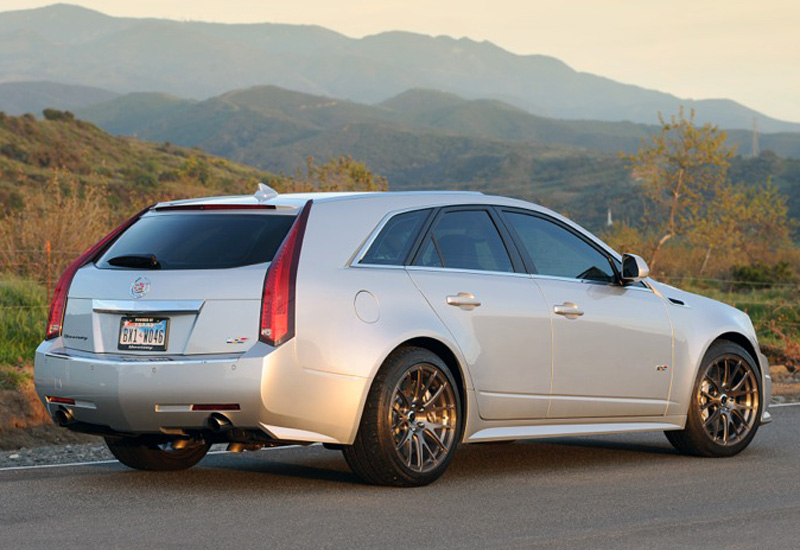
(634, 268)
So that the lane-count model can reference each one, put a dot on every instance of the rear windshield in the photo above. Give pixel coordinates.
(201, 240)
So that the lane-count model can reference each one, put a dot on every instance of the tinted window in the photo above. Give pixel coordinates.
(558, 252)
(202, 241)
(465, 240)
(395, 240)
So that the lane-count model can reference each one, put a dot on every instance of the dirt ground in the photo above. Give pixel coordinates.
(24, 422)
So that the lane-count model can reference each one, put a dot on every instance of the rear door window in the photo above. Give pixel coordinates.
(201, 240)
(465, 239)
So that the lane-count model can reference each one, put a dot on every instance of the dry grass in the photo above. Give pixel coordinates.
(60, 214)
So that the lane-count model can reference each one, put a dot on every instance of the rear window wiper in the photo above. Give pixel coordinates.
(136, 261)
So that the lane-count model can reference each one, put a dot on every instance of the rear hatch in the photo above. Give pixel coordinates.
(177, 282)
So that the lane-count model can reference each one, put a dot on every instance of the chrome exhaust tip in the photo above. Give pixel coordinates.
(218, 423)
(63, 417)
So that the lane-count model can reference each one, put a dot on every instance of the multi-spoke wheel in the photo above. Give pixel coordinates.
(411, 423)
(725, 405)
(143, 454)
(423, 417)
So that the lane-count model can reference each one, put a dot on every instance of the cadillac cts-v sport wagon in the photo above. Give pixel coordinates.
(392, 326)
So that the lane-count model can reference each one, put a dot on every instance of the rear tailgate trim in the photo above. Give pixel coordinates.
(153, 306)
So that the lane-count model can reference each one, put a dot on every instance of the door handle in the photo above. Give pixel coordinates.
(569, 310)
(464, 300)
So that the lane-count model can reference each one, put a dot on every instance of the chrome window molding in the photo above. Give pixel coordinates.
(461, 270)
(590, 282)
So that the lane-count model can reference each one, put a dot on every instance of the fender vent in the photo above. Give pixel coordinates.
(676, 301)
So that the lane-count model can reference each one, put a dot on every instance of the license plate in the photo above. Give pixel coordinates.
(143, 333)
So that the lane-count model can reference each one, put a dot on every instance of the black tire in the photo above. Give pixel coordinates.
(709, 437)
(142, 454)
(375, 455)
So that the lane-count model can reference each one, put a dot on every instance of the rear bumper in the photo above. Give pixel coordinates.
(141, 395)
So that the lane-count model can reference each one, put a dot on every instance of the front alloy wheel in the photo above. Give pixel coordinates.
(411, 423)
(726, 405)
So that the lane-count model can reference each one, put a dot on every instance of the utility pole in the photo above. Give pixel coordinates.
(755, 148)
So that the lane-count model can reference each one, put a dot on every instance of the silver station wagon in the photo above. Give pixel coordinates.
(391, 326)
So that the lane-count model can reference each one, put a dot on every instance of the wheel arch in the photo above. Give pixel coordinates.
(447, 354)
(695, 354)
(443, 351)
(736, 338)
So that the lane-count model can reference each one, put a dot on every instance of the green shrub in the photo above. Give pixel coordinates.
(23, 314)
(55, 114)
(761, 275)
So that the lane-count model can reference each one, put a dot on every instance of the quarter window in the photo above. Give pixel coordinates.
(465, 239)
(394, 242)
(557, 252)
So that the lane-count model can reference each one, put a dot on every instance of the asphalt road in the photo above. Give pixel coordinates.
(629, 491)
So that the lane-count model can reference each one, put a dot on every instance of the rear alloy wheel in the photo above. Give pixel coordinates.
(725, 409)
(142, 454)
(411, 424)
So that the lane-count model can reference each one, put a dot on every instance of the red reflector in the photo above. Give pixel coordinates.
(216, 407)
(55, 320)
(277, 302)
(61, 400)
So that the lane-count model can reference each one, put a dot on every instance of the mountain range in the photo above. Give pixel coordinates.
(73, 45)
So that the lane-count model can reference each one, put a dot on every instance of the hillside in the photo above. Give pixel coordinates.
(33, 152)
(296, 115)
(422, 139)
(196, 60)
(277, 130)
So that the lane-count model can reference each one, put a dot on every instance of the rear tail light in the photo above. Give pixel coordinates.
(277, 302)
(55, 320)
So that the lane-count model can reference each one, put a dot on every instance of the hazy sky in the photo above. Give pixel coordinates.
(743, 50)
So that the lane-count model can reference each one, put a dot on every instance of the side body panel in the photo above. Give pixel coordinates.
(505, 340)
(613, 360)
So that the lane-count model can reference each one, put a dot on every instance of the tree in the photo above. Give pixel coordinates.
(685, 178)
(680, 169)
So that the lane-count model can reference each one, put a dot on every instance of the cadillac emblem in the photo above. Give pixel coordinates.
(140, 287)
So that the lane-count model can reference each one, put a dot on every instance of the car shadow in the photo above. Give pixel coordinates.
(316, 468)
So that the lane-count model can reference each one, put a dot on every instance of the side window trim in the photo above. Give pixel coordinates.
(505, 237)
(529, 261)
(413, 251)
